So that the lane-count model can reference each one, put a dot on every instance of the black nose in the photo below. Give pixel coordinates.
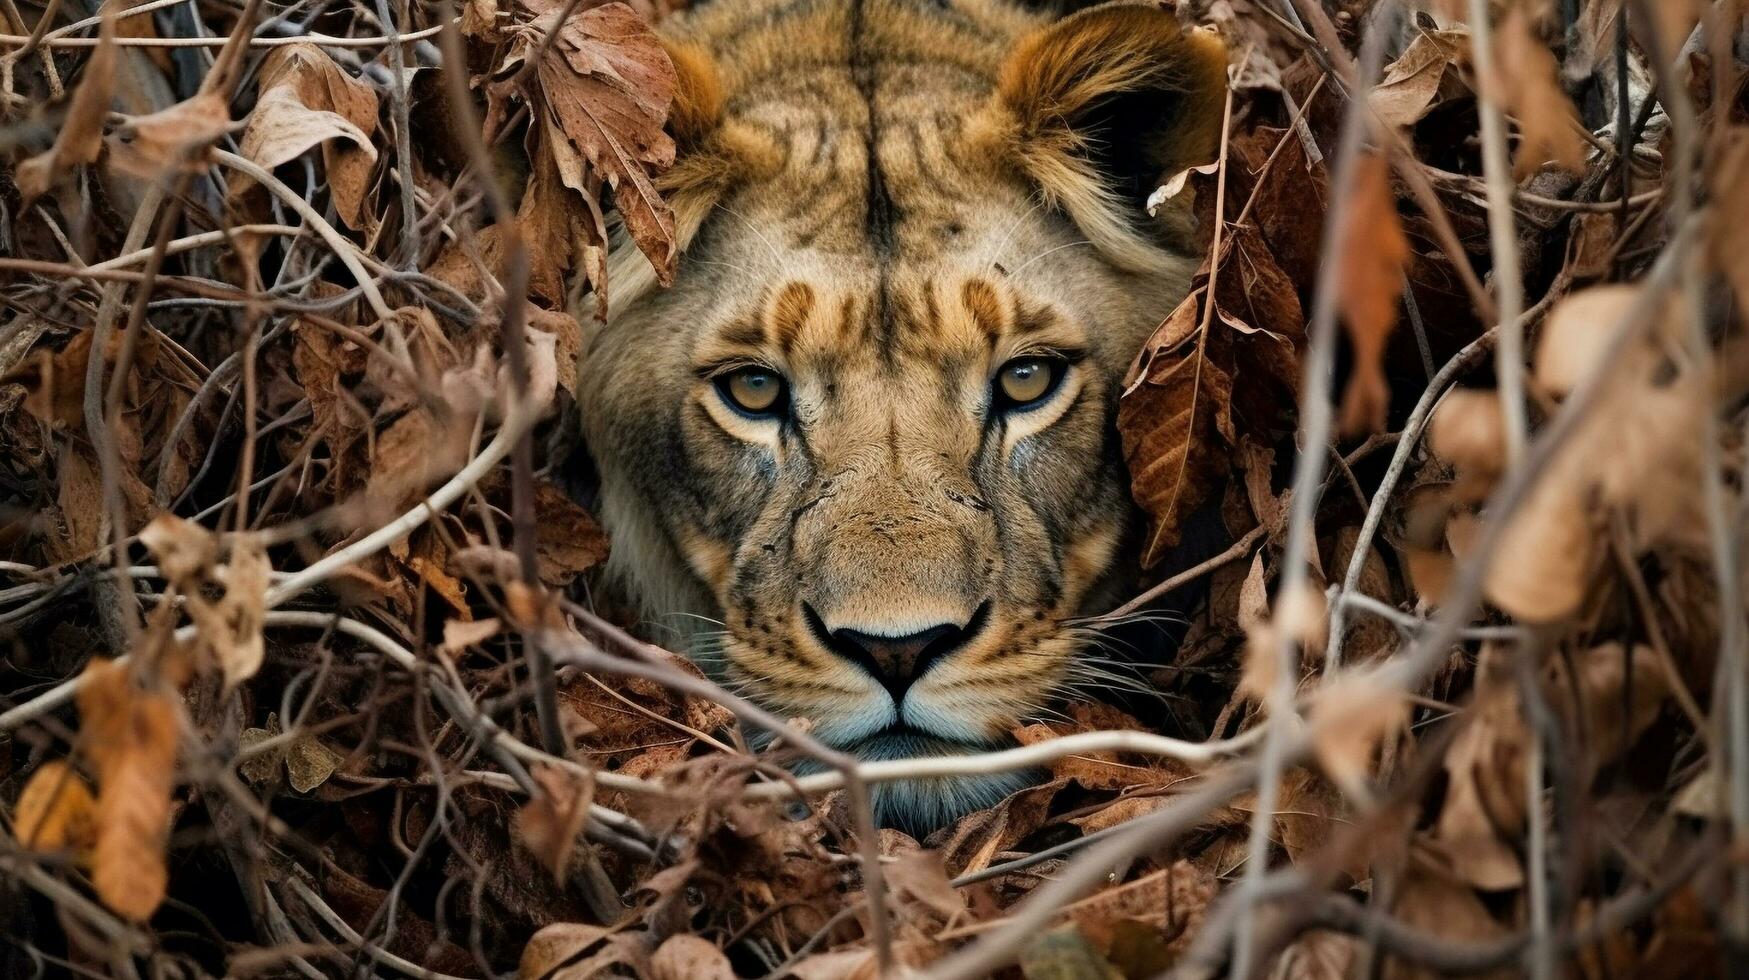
(897, 661)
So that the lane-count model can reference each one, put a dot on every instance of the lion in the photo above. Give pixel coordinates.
(861, 455)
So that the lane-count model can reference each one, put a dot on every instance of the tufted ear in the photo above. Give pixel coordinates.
(1099, 107)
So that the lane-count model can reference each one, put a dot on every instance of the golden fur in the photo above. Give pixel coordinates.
(885, 202)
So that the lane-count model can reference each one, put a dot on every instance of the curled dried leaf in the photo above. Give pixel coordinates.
(56, 811)
(81, 137)
(1349, 719)
(1372, 252)
(131, 734)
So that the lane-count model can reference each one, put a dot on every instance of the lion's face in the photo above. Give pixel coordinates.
(866, 438)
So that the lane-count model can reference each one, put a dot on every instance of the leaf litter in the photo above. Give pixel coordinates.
(369, 778)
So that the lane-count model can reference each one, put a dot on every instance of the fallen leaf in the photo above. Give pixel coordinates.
(130, 733)
(172, 140)
(56, 811)
(1527, 84)
(80, 139)
(1411, 84)
(1372, 253)
(1469, 431)
(308, 101)
(683, 957)
(550, 823)
(1169, 419)
(1349, 718)
(605, 86)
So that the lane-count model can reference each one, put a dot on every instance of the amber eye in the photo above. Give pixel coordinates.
(1026, 381)
(754, 391)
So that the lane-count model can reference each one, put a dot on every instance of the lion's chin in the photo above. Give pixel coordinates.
(921, 806)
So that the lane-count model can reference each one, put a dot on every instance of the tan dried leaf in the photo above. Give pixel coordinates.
(1469, 431)
(81, 137)
(1542, 567)
(307, 101)
(1575, 340)
(1529, 86)
(184, 550)
(460, 634)
(684, 957)
(1169, 420)
(241, 615)
(131, 735)
(918, 875)
(1372, 253)
(1349, 719)
(1412, 84)
(605, 86)
(172, 140)
(549, 824)
(56, 811)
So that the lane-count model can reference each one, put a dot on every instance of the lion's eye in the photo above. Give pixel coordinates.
(754, 391)
(1026, 381)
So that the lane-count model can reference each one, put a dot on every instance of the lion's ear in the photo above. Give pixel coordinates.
(1098, 107)
(698, 94)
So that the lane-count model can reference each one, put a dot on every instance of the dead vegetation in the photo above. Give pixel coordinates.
(302, 673)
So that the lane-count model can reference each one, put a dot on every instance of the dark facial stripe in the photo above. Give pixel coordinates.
(883, 216)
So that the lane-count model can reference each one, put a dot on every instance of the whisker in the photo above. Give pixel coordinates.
(1048, 251)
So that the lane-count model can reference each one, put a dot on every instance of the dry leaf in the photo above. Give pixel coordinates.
(1469, 431)
(1413, 82)
(1371, 254)
(460, 634)
(307, 101)
(184, 550)
(683, 957)
(1349, 718)
(80, 139)
(605, 88)
(56, 811)
(173, 140)
(1527, 84)
(1169, 420)
(549, 824)
(131, 735)
(1575, 340)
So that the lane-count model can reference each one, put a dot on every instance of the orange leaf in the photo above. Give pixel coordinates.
(1371, 254)
(56, 810)
(131, 735)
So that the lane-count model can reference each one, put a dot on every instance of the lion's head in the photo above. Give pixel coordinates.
(862, 451)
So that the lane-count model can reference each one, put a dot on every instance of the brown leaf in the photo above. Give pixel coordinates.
(1528, 85)
(683, 957)
(81, 137)
(575, 951)
(176, 139)
(1349, 718)
(1469, 431)
(568, 541)
(1169, 420)
(56, 811)
(917, 875)
(1371, 254)
(549, 824)
(131, 735)
(307, 101)
(605, 88)
(1416, 80)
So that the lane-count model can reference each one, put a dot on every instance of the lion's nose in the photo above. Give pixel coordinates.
(898, 661)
